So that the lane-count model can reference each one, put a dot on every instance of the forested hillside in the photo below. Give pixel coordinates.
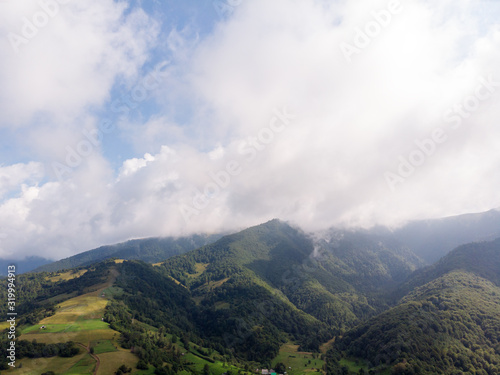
(480, 258)
(448, 323)
(243, 301)
(281, 269)
(148, 250)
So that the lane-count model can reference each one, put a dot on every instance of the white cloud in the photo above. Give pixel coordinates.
(13, 176)
(326, 166)
(397, 89)
(71, 60)
(131, 166)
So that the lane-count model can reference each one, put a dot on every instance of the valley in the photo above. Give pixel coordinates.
(268, 297)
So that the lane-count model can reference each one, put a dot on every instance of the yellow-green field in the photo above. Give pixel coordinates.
(355, 365)
(82, 325)
(111, 361)
(103, 346)
(81, 336)
(78, 319)
(86, 365)
(86, 306)
(300, 362)
(57, 364)
(200, 268)
(212, 284)
(216, 368)
(324, 347)
(64, 276)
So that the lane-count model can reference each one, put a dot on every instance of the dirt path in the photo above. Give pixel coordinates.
(323, 348)
(111, 280)
(98, 362)
(113, 274)
(96, 358)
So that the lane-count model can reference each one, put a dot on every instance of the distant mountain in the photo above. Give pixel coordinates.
(448, 323)
(24, 265)
(417, 243)
(479, 258)
(149, 250)
(369, 260)
(433, 239)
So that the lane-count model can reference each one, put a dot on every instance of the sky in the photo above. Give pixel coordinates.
(131, 119)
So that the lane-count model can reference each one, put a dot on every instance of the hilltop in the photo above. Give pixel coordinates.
(148, 250)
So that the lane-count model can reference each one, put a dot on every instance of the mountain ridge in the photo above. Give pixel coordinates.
(428, 240)
(247, 295)
(155, 249)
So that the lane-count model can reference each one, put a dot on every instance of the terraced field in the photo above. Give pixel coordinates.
(299, 362)
(58, 365)
(79, 319)
(58, 276)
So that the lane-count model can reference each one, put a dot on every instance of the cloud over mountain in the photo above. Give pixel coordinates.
(265, 116)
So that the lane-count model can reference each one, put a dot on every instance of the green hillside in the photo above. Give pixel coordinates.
(276, 268)
(449, 322)
(449, 326)
(244, 296)
(94, 332)
(481, 258)
(270, 296)
(149, 250)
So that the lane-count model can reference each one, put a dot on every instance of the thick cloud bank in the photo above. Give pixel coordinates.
(322, 113)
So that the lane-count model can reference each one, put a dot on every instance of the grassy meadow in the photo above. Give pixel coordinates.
(299, 362)
(78, 319)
